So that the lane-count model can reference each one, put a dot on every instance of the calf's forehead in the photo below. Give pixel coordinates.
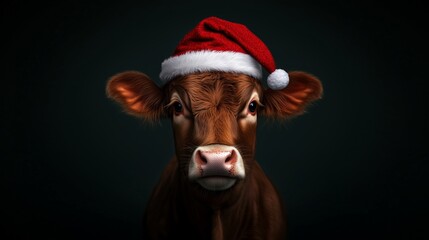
(207, 90)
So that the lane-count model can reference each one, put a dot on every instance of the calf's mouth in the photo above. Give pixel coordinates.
(216, 183)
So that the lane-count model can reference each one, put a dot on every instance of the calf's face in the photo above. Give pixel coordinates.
(214, 117)
(214, 123)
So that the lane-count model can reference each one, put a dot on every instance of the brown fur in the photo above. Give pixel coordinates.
(252, 208)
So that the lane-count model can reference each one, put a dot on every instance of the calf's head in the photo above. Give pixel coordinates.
(212, 93)
(214, 117)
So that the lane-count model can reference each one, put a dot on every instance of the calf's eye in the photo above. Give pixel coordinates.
(178, 108)
(252, 107)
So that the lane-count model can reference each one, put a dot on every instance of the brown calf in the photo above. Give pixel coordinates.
(213, 188)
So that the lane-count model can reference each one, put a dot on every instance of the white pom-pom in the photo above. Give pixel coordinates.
(278, 79)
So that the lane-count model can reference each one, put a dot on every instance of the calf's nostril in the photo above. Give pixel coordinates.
(230, 157)
(202, 159)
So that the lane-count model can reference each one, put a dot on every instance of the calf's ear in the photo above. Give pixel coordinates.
(303, 88)
(137, 94)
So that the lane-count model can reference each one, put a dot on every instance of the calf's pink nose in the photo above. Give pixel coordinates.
(216, 162)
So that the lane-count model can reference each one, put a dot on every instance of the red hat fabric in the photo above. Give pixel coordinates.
(219, 45)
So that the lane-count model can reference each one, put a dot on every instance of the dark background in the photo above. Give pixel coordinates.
(74, 166)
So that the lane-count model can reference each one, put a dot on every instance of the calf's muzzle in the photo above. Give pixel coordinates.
(216, 167)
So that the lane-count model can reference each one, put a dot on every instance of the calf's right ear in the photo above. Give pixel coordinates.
(137, 94)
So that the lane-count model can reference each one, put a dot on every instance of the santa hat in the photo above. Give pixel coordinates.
(218, 45)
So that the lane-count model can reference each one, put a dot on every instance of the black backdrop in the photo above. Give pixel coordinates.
(74, 166)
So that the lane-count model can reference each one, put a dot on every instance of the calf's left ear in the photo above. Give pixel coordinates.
(303, 88)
